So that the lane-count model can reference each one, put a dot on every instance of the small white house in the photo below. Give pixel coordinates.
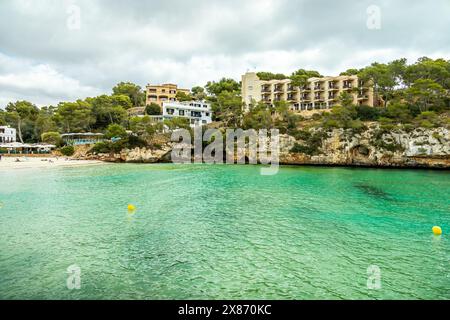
(7, 134)
(199, 113)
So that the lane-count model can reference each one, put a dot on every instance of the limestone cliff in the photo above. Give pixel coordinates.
(429, 148)
(374, 147)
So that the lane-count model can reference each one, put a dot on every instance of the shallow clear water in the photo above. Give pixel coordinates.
(223, 232)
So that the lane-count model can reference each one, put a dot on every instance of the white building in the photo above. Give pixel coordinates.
(7, 134)
(198, 112)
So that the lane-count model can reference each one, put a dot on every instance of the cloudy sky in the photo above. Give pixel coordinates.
(60, 50)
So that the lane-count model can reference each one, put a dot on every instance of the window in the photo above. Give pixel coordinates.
(205, 106)
(170, 111)
(203, 121)
(250, 88)
(207, 114)
(181, 112)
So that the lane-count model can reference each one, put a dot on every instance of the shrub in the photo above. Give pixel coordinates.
(356, 125)
(408, 127)
(101, 147)
(426, 124)
(399, 112)
(428, 119)
(115, 131)
(67, 151)
(130, 142)
(367, 113)
(153, 109)
(302, 135)
(52, 138)
(312, 143)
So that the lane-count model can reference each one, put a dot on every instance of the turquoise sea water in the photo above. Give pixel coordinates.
(223, 232)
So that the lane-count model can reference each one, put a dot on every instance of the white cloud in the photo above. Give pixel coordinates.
(40, 84)
(192, 42)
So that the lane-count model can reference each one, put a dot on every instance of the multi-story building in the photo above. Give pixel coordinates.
(198, 112)
(7, 134)
(317, 94)
(163, 93)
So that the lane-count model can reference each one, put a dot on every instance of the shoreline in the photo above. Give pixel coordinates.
(59, 162)
(10, 163)
(323, 165)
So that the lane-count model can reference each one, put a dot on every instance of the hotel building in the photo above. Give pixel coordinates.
(318, 94)
(199, 113)
(163, 93)
(7, 134)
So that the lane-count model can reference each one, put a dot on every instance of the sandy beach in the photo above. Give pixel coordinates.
(50, 162)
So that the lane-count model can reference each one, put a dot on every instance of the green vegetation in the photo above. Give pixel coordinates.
(130, 142)
(52, 138)
(181, 96)
(153, 109)
(312, 141)
(226, 101)
(300, 77)
(67, 151)
(177, 123)
(132, 91)
(271, 76)
(406, 96)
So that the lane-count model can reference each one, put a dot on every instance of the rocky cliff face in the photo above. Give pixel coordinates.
(418, 148)
(373, 147)
(137, 155)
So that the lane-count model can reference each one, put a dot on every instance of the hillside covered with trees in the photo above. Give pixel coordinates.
(411, 96)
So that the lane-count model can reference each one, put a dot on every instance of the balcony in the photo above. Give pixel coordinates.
(291, 97)
(305, 97)
(318, 97)
(265, 89)
(347, 85)
(333, 86)
(291, 88)
(363, 97)
(318, 87)
(305, 88)
(278, 88)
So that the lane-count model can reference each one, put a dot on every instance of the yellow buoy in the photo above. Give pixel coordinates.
(131, 207)
(437, 231)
